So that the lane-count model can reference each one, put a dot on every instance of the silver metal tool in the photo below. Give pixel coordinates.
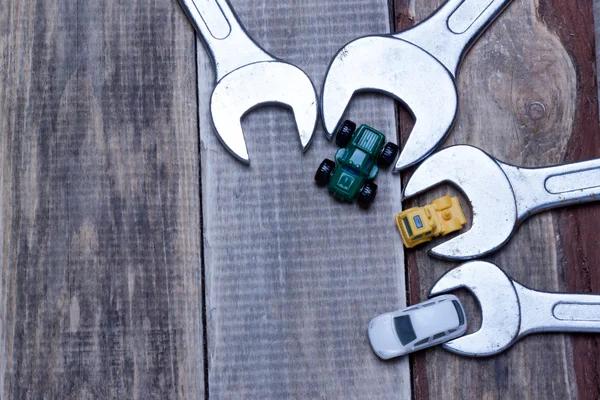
(248, 77)
(511, 311)
(418, 67)
(502, 196)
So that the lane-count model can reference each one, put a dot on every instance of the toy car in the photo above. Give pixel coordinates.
(357, 163)
(415, 328)
(421, 224)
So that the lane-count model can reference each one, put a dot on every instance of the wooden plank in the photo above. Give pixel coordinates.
(292, 276)
(101, 290)
(524, 88)
(597, 37)
(5, 194)
(578, 226)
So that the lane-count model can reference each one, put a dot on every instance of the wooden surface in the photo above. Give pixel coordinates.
(100, 202)
(139, 260)
(579, 238)
(293, 277)
(528, 97)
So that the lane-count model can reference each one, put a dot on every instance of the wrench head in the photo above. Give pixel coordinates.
(403, 71)
(488, 189)
(257, 85)
(500, 308)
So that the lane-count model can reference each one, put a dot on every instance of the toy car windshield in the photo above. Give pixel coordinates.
(358, 157)
(404, 329)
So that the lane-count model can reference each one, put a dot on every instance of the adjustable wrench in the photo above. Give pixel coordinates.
(247, 77)
(511, 311)
(502, 196)
(418, 67)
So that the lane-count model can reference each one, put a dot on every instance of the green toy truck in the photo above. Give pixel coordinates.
(357, 163)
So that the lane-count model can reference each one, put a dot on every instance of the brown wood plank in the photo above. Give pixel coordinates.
(101, 290)
(525, 87)
(578, 226)
(294, 277)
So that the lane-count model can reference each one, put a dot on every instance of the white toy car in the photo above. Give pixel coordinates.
(424, 325)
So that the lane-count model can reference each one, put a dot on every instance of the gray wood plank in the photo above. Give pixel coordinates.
(101, 290)
(292, 276)
(5, 194)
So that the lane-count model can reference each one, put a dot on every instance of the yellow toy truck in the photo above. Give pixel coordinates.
(421, 224)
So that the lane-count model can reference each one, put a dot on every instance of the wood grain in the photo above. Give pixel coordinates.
(5, 189)
(521, 97)
(101, 293)
(578, 225)
(101, 290)
(293, 277)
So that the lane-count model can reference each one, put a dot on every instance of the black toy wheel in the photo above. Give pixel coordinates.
(367, 195)
(324, 172)
(344, 134)
(388, 155)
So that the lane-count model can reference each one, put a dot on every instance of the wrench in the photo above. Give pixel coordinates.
(502, 196)
(247, 77)
(418, 67)
(511, 311)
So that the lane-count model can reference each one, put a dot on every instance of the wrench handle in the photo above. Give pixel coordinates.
(542, 189)
(557, 312)
(449, 33)
(573, 181)
(223, 34)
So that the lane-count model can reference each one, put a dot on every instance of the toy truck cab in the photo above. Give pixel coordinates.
(356, 163)
(416, 226)
(421, 224)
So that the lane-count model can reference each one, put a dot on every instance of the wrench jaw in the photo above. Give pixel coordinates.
(400, 70)
(488, 189)
(257, 85)
(499, 304)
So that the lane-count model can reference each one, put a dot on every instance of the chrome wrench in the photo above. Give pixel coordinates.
(511, 311)
(418, 67)
(502, 196)
(247, 77)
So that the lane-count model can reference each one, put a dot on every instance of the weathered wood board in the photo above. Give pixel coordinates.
(578, 226)
(293, 277)
(106, 209)
(101, 292)
(528, 97)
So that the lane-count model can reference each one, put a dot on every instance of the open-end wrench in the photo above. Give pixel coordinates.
(511, 311)
(502, 196)
(418, 67)
(248, 77)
